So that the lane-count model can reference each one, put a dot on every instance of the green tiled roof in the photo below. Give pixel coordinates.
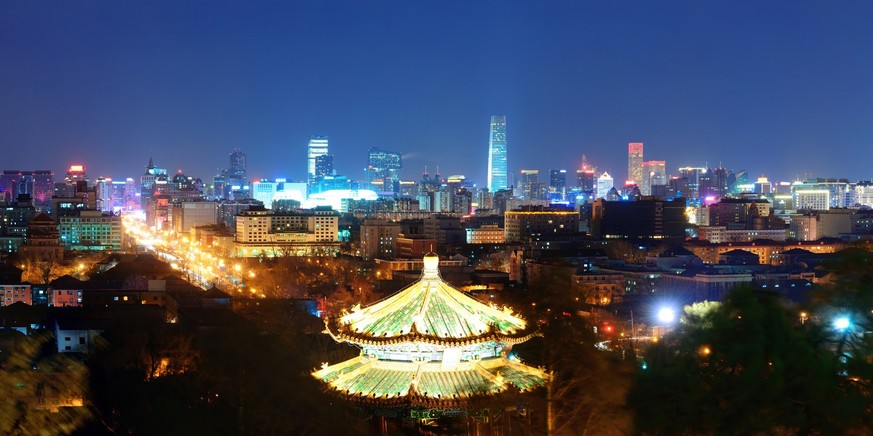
(369, 378)
(434, 308)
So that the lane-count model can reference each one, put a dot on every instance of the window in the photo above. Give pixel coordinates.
(82, 341)
(67, 339)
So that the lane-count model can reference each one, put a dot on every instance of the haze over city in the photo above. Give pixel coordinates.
(778, 89)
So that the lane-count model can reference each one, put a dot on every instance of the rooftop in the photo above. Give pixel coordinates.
(428, 310)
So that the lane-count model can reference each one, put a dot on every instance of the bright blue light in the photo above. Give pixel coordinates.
(666, 315)
(842, 323)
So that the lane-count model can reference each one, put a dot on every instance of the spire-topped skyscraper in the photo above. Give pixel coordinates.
(497, 168)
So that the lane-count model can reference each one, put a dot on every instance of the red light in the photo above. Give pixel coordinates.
(608, 329)
(77, 168)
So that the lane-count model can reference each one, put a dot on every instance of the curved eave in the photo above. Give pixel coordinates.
(495, 376)
(343, 334)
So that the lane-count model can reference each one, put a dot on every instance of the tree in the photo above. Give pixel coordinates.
(849, 296)
(43, 393)
(44, 271)
(587, 392)
(745, 367)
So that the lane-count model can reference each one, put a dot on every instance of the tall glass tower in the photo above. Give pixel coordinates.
(497, 169)
(317, 147)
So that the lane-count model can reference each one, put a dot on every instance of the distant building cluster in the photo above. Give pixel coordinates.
(717, 215)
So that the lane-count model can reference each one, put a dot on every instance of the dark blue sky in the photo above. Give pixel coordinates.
(777, 88)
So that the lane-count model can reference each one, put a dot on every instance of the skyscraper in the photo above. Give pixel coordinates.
(324, 166)
(383, 170)
(529, 184)
(497, 168)
(148, 182)
(237, 174)
(635, 162)
(585, 179)
(38, 184)
(558, 183)
(654, 174)
(76, 174)
(604, 184)
(317, 147)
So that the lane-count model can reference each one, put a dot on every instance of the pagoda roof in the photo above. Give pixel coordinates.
(395, 382)
(428, 310)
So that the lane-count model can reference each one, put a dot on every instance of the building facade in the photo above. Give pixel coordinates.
(90, 230)
(528, 222)
(260, 232)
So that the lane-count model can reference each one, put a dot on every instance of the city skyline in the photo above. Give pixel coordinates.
(106, 88)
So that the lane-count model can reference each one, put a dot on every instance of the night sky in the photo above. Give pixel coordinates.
(783, 89)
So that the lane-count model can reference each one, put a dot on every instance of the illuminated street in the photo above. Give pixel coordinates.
(196, 264)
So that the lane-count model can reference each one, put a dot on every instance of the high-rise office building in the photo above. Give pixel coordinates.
(529, 183)
(654, 174)
(38, 184)
(10, 180)
(104, 194)
(604, 184)
(237, 172)
(558, 183)
(693, 176)
(712, 184)
(149, 181)
(497, 167)
(383, 170)
(317, 147)
(324, 166)
(585, 179)
(635, 162)
(76, 174)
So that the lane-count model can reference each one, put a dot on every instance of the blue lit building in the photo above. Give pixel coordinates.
(383, 170)
(497, 168)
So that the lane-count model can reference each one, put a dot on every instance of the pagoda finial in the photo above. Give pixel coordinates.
(431, 266)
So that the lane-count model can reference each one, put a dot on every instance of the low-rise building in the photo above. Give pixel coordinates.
(76, 335)
(535, 221)
(306, 233)
(15, 293)
(379, 239)
(486, 234)
(721, 234)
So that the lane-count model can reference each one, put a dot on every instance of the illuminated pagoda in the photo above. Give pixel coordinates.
(431, 345)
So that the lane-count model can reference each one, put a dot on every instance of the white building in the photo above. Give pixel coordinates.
(264, 191)
(864, 194)
(812, 199)
(194, 214)
(309, 232)
(317, 147)
(604, 184)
